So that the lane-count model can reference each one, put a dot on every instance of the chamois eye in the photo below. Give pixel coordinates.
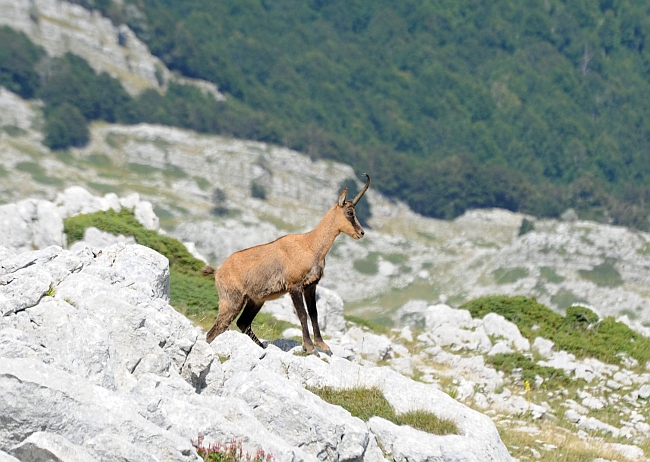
(350, 213)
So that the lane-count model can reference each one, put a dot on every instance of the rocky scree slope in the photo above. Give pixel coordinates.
(96, 363)
(444, 347)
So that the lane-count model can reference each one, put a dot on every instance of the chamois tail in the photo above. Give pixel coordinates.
(207, 270)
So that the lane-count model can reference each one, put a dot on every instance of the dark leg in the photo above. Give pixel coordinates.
(228, 311)
(310, 298)
(296, 297)
(246, 319)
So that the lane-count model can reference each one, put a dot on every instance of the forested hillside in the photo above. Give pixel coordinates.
(532, 106)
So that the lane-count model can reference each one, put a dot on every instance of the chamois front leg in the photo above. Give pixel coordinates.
(310, 298)
(296, 297)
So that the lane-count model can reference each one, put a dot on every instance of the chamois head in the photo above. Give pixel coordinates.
(347, 219)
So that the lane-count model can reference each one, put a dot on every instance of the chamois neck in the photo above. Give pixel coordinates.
(323, 235)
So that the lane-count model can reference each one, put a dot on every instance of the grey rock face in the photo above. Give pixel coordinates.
(30, 224)
(50, 447)
(101, 367)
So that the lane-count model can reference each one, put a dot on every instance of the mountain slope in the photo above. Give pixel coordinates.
(534, 106)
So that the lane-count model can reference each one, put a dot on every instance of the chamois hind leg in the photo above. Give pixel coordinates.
(228, 311)
(246, 319)
(296, 297)
(310, 298)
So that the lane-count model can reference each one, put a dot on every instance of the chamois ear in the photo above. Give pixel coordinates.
(342, 196)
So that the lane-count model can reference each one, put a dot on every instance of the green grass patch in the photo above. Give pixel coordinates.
(366, 266)
(603, 275)
(202, 183)
(142, 169)
(13, 131)
(99, 160)
(370, 265)
(115, 140)
(645, 250)
(565, 298)
(103, 188)
(375, 325)
(3, 171)
(550, 275)
(579, 332)
(509, 275)
(38, 174)
(173, 172)
(512, 362)
(365, 403)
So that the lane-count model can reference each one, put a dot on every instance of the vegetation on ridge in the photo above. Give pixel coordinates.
(580, 331)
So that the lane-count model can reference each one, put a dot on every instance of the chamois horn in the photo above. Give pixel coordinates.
(363, 191)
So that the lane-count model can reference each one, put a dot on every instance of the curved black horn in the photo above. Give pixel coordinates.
(363, 191)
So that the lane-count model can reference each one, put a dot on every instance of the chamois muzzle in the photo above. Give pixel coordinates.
(363, 191)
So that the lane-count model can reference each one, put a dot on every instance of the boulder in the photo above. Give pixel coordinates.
(45, 446)
(497, 326)
(543, 347)
(98, 239)
(403, 443)
(30, 224)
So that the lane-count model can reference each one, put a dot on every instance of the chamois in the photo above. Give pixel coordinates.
(291, 264)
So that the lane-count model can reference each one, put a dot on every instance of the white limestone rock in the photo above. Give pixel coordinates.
(36, 395)
(299, 417)
(497, 326)
(45, 446)
(30, 224)
(23, 289)
(543, 347)
(140, 268)
(438, 315)
(370, 346)
(4, 457)
(98, 239)
(644, 391)
(146, 216)
(405, 443)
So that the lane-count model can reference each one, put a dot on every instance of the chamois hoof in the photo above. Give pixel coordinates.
(328, 352)
(313, 351)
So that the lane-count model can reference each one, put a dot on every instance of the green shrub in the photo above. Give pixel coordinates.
(65, 126)
(526, 226)
(369, 402)
(258, 191)
(579, 332)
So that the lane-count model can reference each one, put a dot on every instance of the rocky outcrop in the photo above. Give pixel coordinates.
(96, 364)
(36, 223)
